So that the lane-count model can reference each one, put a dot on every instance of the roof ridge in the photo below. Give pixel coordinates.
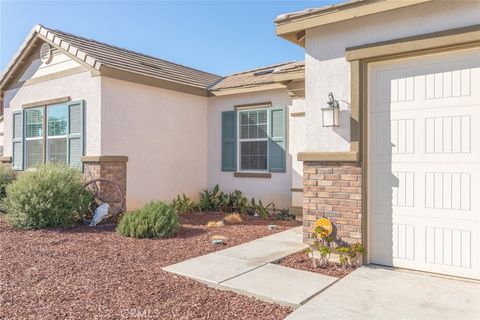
(60, 32)
(261, 68)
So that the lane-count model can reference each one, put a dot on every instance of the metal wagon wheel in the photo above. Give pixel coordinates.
(105, 191)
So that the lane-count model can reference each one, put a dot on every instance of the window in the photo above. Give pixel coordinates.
(53, 133)
(253, 140)
(57, 134)
(33, 137)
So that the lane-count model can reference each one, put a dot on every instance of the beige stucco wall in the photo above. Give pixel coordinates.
(296, 138)
(164, 135)
(327, 69)
(77, 86)
(58, 62)
(277, 188)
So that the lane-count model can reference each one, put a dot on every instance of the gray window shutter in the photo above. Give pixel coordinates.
(75, 133)
(276, 140)
(17, 140)
(229, 141)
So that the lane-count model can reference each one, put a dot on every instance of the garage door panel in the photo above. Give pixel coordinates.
(432, 135)
(428, 246)
(431, 187)
(450, 247)
(409, 84)
(424, 163)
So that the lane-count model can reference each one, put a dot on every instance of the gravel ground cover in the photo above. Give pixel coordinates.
(94, 273)
(301, 261)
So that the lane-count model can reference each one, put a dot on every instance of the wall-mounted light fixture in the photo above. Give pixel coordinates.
(330, 115)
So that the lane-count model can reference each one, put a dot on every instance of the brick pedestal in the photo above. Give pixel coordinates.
(113, 168)
(333, 190)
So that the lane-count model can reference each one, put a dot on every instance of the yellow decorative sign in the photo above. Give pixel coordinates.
(325, 224)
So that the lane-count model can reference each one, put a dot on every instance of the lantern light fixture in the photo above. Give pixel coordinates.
(331, 114)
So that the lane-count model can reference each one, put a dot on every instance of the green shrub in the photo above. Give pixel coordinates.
(155, 220)
(284, 215)
(51, 195)
(233, 202)
(183, 204)
(216, 200)
(211, 200)
(262, 210)
(6, 177)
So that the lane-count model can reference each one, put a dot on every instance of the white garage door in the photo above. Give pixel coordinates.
(424, 163)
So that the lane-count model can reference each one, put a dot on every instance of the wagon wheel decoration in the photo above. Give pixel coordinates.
(105, 191)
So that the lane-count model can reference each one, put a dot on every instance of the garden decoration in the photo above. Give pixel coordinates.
(100, 213)
(326, 225)
(217, 239)
(109, 201)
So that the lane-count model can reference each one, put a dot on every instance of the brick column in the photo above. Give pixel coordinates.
(333, 190)
(113, 168)
(6, 160)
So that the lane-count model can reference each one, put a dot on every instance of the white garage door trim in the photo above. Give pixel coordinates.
(410, 256)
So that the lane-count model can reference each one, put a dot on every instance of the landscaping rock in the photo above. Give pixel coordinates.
(47, 274)
(218, 239)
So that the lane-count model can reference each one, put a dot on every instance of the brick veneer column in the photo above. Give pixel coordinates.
(6, 161)
(333, 190)
(113, 168)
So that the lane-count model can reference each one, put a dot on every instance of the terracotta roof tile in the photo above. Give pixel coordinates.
(137, 62)
(263, 75)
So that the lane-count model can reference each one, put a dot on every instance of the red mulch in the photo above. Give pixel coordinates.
(302, 261)
(94, 273)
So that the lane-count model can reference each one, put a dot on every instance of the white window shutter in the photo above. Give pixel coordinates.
(75, 133)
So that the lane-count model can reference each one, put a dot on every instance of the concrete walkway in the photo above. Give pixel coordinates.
(372, 293)
(248, 269)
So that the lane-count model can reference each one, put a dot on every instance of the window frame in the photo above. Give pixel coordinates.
(48, 137)
(45, 136)
(25, 138)
(240, 140)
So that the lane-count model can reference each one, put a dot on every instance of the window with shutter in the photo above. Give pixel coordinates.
(60, 142)
(261, 141)
(253, 140)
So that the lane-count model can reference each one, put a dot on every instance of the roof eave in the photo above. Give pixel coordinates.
(40, 32)
(293, 28)
(290, 75)
(127, 75)
(247, 89)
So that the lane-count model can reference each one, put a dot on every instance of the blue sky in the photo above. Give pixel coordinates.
(222, 37)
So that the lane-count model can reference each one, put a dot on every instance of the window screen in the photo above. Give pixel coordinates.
(34, 152)
(33, 137)
(57, 122)
(34, 123)
(253, 128)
